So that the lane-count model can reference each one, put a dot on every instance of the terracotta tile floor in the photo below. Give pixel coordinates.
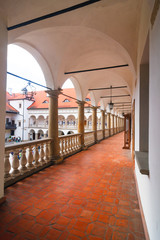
(91, 196)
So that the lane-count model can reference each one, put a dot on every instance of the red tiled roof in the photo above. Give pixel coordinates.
(9, 108)
(41, 96)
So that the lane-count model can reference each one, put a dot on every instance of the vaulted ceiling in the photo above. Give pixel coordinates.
(102, 34)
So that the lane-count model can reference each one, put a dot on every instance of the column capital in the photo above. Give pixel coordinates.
(53, 93)
(94, 107)
(103, 110)
(80, 103)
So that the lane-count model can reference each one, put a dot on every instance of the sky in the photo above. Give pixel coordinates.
(22, 63)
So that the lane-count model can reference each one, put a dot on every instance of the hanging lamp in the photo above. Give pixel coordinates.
(111, 104)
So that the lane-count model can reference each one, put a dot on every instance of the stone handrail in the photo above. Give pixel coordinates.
(25, 158)
(69, 144)
(89, 138)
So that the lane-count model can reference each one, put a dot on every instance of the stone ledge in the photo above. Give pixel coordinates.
(142, 161)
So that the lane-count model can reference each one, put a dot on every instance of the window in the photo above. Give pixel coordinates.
(87, 99)
(20, 105)
(45, 101)
(66, 100)
(12, 132)
(19, 124)
(7, 120)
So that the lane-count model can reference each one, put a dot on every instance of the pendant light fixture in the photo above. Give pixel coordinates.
(111, 104)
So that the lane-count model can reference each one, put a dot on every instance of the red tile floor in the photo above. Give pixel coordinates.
(91, 196)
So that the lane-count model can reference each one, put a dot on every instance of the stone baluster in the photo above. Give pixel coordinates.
(7, 166)
(36, 156)
(42, 154)
(70, 144)
(67, 144)
(23, 167)
(47, 152)
(30, 159)
(15, 163)
(73, 143)
(62, 146)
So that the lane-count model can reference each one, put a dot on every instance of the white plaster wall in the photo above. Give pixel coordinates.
(149, 187)
(136, 97)
(19, 130)
(3, 68)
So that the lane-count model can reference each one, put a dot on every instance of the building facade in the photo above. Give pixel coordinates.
(28, 119)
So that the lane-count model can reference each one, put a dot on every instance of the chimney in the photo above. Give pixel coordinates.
(10, 91)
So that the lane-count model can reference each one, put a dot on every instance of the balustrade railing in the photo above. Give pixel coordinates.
(69, 144)
(99, 135)
(89, 138)
(23, 158)
(67, 127)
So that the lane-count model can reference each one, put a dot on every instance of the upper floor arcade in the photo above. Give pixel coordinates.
(97, 44)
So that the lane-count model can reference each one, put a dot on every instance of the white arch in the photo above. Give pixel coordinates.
(41, 61)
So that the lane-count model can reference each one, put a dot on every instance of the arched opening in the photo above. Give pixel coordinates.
(32, 121)
(32, 135)
(71, 121)
(40, 121)
(61, 121)
(70, 132)
(73, 83)
(40, 134)
(60, 133)
(23, 64)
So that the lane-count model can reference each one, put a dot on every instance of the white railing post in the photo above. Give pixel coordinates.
(15, 163)
(7, 166)
(42, 154)
(23, 161)
(47, 152)
(30, 158)
(36, 156)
